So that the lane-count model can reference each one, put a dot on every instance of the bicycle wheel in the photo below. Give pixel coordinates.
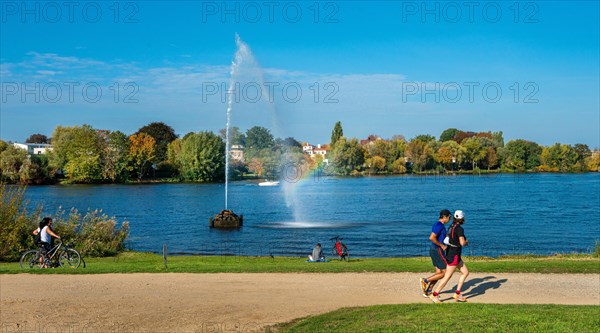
(69, 258)
(30, 260)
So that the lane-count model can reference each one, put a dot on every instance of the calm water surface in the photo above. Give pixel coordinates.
(377, 216)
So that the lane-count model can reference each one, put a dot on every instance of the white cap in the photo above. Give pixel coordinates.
(459, 214)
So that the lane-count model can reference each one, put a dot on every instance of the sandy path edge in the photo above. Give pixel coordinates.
(245, 302)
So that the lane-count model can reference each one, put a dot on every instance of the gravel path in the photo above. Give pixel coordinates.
(244, 302)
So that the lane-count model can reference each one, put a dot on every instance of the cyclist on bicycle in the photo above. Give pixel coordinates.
(46, 233)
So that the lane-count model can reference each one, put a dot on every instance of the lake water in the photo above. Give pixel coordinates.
(376, 216)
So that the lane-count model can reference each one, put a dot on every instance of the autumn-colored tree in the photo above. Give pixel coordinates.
(399, 166)
(256, 166)
(141, 153)
(559, 157)
(376, 163)
(419, 153)
(162, 134)
(593, 162)
(449, 153)
(461, 135)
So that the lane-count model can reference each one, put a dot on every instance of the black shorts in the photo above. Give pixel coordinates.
(437, 257)
(453, 257)
(46, 246)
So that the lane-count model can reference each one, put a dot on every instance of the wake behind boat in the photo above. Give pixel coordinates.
(268, 183)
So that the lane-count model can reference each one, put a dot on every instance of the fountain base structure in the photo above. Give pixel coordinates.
(226, 219)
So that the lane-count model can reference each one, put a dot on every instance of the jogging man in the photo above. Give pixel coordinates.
(437, 252)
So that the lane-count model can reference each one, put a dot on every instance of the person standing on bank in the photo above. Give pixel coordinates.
(456, 240)
(437, 252)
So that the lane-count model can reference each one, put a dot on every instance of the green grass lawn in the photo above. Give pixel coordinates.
(139, 262)
(452, 317)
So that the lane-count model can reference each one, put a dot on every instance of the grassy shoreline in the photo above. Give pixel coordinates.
(140, 262)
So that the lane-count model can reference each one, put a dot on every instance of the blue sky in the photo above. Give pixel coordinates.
(386, 67)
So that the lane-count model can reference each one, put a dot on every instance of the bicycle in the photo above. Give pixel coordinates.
(340, 249)
(61, 255)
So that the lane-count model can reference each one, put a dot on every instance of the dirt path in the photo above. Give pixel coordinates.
(243, 302)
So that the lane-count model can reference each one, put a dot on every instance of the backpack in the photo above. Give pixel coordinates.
(449, 239)
(37, 239)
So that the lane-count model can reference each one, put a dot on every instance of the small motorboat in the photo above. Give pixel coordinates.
(268, 183)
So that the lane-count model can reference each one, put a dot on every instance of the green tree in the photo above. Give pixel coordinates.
(3, 146)
(77, 151)
(336, 134)
(583, 154)
(34, 170)
(348, 156)
(202, 157)
(258, 138)
(288, 143)
(522, 155)
(448, 134)
(37, 138)
(474, 151)
(236, 137)
(116, 157)
(162, 134)
(173, 152)
(11, 161)
(396, 151)
(498, 139)
(141, 153)
(425, 138)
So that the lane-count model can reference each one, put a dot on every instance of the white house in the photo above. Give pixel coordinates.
(312, 150)
(237, 153)
(34, 148)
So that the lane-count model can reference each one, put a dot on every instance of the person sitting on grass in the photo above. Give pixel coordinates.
(317, 254)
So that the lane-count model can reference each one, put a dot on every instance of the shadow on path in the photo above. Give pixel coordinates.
(477, 287)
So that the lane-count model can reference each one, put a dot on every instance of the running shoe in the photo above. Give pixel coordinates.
(434, 299)
(459, 298)
(424, 285)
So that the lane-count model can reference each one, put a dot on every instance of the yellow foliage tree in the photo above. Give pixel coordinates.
(142, 152)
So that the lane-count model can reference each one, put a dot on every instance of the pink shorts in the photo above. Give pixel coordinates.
(455, 261)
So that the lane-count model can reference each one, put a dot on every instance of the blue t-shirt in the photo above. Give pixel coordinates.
(440, 231)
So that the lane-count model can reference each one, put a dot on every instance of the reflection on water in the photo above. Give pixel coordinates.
(312, 225)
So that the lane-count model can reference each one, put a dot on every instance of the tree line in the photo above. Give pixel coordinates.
(83, 154)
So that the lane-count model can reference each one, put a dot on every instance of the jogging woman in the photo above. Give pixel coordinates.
(457, 240)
